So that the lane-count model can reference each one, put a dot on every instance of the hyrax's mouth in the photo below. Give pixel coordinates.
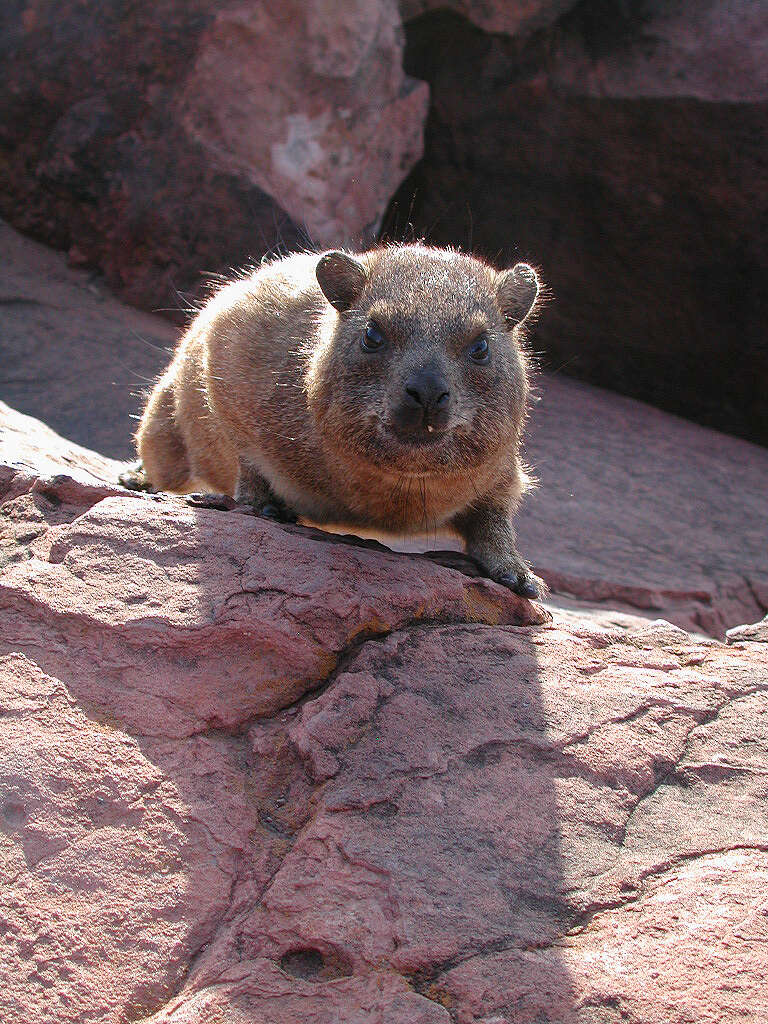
(389, 445)
(424, 436)
(429, 438)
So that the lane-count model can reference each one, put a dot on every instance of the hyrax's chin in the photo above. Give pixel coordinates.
(422, 452)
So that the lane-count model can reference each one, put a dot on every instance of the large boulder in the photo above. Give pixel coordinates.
(309, 101)
(623, 150)
(191, 595)
(254, 773)
(157, 141)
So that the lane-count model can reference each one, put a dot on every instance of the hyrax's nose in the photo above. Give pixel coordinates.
(429, 390)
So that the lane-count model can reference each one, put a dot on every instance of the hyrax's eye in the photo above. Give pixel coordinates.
(372, 339)
(478, 351)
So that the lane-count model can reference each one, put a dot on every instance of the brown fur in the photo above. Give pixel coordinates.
(272, 398)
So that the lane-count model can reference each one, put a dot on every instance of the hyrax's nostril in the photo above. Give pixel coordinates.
(427, 389)
(416, 396)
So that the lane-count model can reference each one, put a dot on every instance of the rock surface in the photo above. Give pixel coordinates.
(161, 140)
(643, 511)
(247, 774)
(309, 101)
(757, 631)
(622, 149)
(638, 513)
(71, 353)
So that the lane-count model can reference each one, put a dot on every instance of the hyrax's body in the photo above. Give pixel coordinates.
(384, 389)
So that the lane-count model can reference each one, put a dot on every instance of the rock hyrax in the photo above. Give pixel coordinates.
(385, 390)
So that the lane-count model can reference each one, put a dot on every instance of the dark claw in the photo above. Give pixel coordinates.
(522, 583)
(278, 514)
(222, 502)
(135, 479)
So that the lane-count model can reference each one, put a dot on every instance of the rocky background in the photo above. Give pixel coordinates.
(620, 146)
(257, 773)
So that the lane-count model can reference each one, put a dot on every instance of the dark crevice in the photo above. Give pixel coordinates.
(315, 965)
(19, 300)
(612, 194)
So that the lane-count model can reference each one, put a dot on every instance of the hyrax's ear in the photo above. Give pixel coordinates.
(341, 277)
(516, 292)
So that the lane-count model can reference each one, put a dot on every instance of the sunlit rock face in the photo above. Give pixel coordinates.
(162, 141)
(255, 772)
(310, 103)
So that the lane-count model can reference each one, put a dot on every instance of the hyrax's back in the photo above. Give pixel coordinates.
(215, 399)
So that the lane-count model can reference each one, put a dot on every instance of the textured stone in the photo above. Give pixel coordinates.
(160, 141)
(640, 511)
(250, 774)
(183, 619)
(757, 631)
(559, 817)
(113, 873)
(310, 103)
(71, 353)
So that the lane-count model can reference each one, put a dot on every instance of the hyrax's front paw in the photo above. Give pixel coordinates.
(254, 490)
(490, 540)
(515, 574)
(278, 511)
(221, 502)
(134, 478)
(522, 582)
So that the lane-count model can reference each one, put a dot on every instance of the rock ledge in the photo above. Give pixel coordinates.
(249, 775)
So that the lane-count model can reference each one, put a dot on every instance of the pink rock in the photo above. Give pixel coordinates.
(644, 512)
(309, 102)
(686, 948)
(500, 863)
(113, 873)
(180, 139)
(250, 774)
(56, 321)
(754, 631)
(188, 607)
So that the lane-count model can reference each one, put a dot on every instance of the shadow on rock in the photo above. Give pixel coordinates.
(249, 767)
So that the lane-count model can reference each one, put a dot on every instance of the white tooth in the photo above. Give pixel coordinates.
(430, 428)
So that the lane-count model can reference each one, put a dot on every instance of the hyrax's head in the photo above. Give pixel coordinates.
(422, 372)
